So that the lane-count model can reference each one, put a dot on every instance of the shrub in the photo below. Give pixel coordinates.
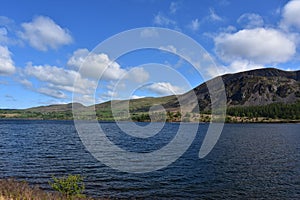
(15, 190)
(71, 186)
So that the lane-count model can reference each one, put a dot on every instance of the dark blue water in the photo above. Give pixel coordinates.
(250, 161)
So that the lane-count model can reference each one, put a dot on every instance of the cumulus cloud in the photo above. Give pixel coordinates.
(258, 45)
(250, 20)
(137, 74)
(93, 65)
(291, 15)
(52, 74)
(164, 88)
(60, 79)
(6, 63)
(43, 33)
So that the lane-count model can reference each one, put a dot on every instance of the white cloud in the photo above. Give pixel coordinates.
(26, 83)
(8, 32)
(165, 88)
(88, 99)
(78, 58)
(169, 48)
(149, 33)
(258, 45)
(291, 15)
(194, 25)
(161, 20)
(173, 7)
(3, 35)
(229, 29)
(93, 65)
(137, 74)
(6, 63)
(112, 85)
(250, 20)
(137, 97)
(43, 33)
(108, 96)
(5, 21)
(111, 94)
(234, 67)
(61, 79)
(52, 92)
(213, 15)
(52, 74)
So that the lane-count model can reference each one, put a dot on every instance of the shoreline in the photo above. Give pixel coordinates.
(15, 189)
(245, 121)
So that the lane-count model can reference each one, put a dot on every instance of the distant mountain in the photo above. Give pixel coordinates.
(54, 108)
(262, 87)
(258, 87)
(250, 88)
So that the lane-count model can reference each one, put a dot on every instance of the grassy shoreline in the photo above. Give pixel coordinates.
(232, 120)
(271, 113)
(12, 189)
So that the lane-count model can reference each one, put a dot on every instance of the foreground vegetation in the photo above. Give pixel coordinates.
(70, 187)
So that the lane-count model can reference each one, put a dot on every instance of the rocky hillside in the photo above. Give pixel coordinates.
(253, 88)
(262, 87)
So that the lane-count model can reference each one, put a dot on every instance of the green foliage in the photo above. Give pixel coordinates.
(71, 186)
(177, 114)
(273, 111)
(141, 117)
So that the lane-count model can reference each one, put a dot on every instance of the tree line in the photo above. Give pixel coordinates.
(273, 111)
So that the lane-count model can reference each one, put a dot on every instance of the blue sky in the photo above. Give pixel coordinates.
(44, 43)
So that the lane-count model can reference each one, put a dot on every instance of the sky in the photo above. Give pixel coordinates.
(47, 46)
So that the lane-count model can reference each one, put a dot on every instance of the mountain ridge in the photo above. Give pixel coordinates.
(259, 87)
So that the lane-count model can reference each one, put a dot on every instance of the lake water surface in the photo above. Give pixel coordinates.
(250, 161)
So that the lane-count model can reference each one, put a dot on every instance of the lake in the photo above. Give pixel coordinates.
(250, 161)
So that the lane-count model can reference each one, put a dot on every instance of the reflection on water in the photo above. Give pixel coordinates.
(249, 161)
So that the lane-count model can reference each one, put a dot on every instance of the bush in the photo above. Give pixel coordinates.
(15, 190)
(71, 186)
